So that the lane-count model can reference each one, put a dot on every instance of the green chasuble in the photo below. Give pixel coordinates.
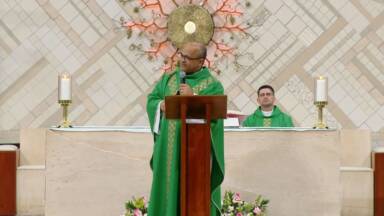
(277, 119)
(165, 162)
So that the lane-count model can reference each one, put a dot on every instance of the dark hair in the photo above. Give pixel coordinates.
(265, 87)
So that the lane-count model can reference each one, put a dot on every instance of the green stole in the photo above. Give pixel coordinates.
(277, 119)
(165, 163)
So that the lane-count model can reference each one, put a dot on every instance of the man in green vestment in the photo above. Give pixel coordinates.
(165, 162)
(267, 114)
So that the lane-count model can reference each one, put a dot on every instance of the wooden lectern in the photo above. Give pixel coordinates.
(195, 153)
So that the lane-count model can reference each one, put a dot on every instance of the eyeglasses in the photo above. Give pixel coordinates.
(188, 57)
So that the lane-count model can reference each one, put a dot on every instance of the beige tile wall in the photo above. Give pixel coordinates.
(296, 40)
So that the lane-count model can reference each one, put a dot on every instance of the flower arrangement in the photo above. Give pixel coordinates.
(232, 205)
(136, 207)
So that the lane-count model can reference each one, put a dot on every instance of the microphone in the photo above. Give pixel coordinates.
(182, 80)
(182, 77)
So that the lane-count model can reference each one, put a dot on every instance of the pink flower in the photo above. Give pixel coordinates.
(257, 210)
(236, 198)
(239, 214)
(137, 212)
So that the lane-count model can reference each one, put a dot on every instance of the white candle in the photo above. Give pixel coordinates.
(321, 86)
(64, 87)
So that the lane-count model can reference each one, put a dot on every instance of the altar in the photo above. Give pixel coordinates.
(94, 170)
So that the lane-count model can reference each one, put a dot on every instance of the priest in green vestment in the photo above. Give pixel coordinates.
(267, 114)
(165, 161)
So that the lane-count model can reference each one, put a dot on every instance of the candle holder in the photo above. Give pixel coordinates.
(64, 97)
(65, 123)
(321, 100)
(320, 117)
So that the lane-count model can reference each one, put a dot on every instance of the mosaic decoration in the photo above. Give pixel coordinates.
(170, 23)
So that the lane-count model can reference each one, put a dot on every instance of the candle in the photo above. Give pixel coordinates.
(321, 88)
(64, 87)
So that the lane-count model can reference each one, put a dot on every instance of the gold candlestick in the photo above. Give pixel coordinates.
(65, 104)
(64, 96)
(321, 100)
(320, 117)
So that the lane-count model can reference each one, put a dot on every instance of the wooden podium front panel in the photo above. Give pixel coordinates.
(198, 166)
(379, 184)
(7, 183)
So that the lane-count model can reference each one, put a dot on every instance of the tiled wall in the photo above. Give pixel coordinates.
(298, 39)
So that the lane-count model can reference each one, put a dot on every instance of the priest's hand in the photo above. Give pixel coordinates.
(185, 90)
(162, 106)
